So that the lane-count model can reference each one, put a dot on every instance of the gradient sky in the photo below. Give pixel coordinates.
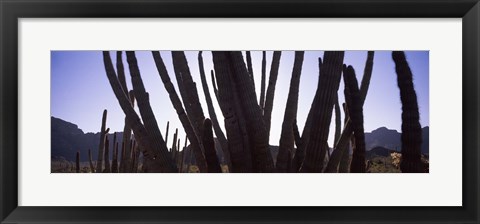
(80, 90)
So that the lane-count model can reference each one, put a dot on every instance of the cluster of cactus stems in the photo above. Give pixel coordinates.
(211, 111)
(245, 143)
(287, 138)
(341, 146)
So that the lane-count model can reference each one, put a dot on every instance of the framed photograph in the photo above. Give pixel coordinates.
(248, 112)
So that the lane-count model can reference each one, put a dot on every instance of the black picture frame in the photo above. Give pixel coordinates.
(12, 10)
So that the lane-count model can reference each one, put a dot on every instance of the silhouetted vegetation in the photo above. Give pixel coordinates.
(244, 147)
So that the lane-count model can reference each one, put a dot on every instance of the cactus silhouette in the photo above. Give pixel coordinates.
(174, 144)
(287, 139)
(341, 146)
(177, 104)
(338, 120)
(166, 133)
(355, 111)
(209, 144)
(257, 132)
(188, 90)
(247, 117)
(262, 84)
(329, 80)
(90, 162)
(115, 158)
(150, 154)
(106, 157)
(238, 147)
(127, 132)
(344, 165)
(101, 145)
(272, 82)
(249, 67)
(211, 111)
(77, 162)
(411, 130)
(147, 114)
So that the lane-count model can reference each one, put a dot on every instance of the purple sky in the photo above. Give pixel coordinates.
(80, 90)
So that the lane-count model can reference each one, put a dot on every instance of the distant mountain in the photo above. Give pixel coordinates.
(391, 139)
(67, 139)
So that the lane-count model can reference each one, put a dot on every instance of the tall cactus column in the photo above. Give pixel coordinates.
(150, 154)
(287, 139)
(148, 117)
(411, 130)
(256, 126)
(329, 81)
(342, 144)
(213, 116)
(355, 111)
(226, 99)
(101, 145)
(196, 144)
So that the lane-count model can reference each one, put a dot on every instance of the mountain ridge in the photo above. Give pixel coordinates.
(67, 138)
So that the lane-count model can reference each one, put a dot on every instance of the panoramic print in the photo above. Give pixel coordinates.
(239, 111)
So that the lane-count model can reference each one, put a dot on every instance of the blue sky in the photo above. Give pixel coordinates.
(80, 90)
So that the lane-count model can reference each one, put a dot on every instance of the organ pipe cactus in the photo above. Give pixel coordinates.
(141, 134)
(342, 144)
(209, 144)
(101, 145)
(127, 132)
(137, 156)
(114, 164)
(115, 158)
(174, 144)
(338, 120)
(249, 67)
(148, 117)
(92, 168)
(214, 85)
(411, 130)
(344, 165)
(211, 111)
(238, 148)
(107, 157)
(329, 80)
(166, 133)
(257, 130)
(262, 83)
(300, 152)
(77, 162)
(272, 82)
(287, 139)
(189, 93)
(121, 166)
(177, 104)
(355, 111)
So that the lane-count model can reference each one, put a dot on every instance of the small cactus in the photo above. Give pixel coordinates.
(107, 157)
(92, 168)
(77, 162)
(101, 145)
